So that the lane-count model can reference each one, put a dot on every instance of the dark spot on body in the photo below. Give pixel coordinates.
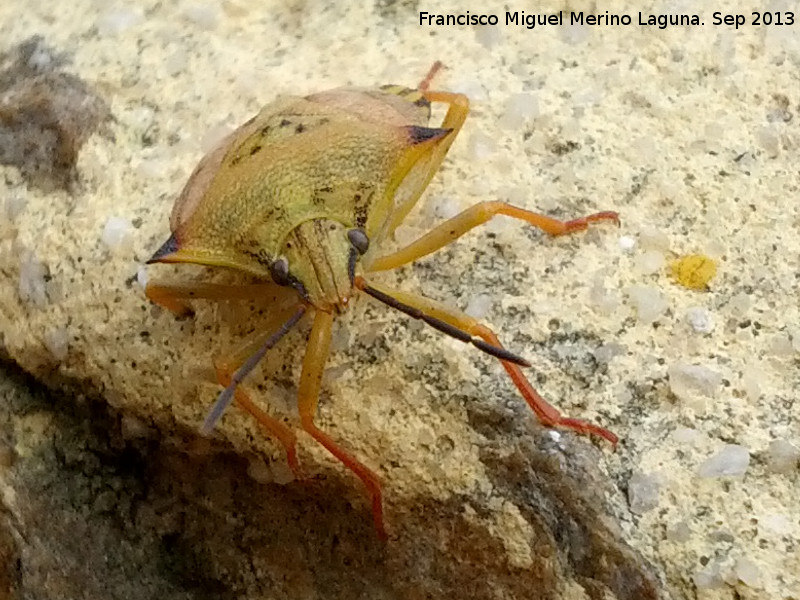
(351, 264)
(361, 214)
(254, 150)
(167, 248)
(284, 123)
(321, 195)
(362, 199)
(417, 134)
(300, 128)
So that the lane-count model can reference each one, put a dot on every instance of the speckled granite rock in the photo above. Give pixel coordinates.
(688, 132)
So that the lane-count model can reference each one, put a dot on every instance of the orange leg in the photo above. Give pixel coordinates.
(476, 215)
(226, 368)
(457, 112)
(313, 364)
(273, 426)
(174, 297)
(426, 83)
(546, 413)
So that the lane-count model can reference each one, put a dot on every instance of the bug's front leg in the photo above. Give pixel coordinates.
(425, 84)
(226, 366)
(319, 342)
(175, 297)
(476, 215)
(546, 413)
(273, 426)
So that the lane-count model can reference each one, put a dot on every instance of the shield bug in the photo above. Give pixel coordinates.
(303, 197)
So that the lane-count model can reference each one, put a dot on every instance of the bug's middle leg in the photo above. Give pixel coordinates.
(476, 215)
(546, 413)
(319, 342)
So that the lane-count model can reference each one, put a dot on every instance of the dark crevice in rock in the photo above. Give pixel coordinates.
(104, 513)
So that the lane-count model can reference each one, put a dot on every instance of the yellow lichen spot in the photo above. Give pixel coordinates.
(693, 271)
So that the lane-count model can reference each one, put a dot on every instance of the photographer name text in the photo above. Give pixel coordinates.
(607, 19)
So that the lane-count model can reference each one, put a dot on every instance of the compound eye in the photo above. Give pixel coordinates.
(359, 240)
(280, 272)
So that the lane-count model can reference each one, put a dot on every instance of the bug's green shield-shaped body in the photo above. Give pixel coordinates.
(305, 193)
(292, 181)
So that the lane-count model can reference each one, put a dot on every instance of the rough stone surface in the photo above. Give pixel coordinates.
(99, 504)
(730, 461)
(690, 132)
(642, 493)
(45, 115)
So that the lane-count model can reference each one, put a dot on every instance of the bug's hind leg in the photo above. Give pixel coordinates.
(313, 364)
(476, 215)
(546, 413)
(457, 111)
(426, 83)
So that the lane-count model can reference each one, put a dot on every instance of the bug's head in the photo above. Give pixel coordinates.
(319, 258)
